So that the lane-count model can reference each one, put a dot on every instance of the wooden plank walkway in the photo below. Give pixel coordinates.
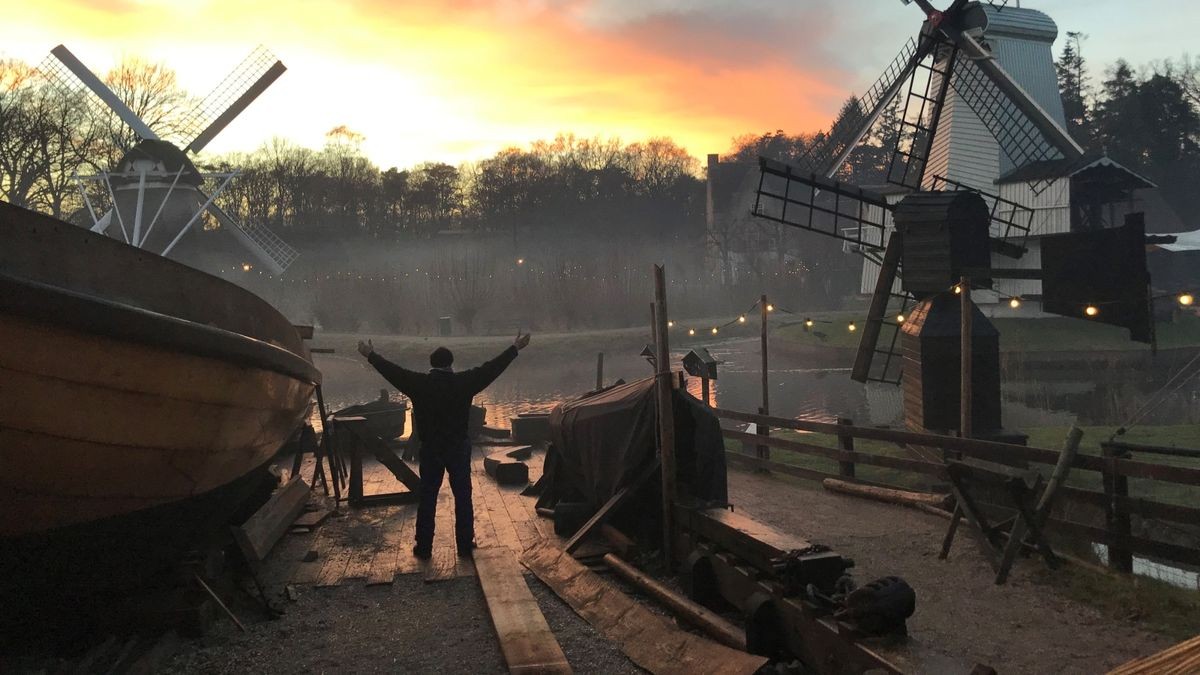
(528, 644)
(372, 545)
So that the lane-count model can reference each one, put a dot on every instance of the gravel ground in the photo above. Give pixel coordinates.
(410, 627)
(1024, 626)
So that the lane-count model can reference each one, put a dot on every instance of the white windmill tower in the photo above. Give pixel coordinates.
(157, 193)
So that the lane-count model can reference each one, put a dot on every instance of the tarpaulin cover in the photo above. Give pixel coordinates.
(603, 441)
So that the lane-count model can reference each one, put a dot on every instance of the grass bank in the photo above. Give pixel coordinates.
(1184, 436)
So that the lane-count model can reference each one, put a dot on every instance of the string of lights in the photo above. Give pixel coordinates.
(1090, 310)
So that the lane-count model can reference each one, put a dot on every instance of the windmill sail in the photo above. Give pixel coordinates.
(267, 246)
(237, 91)
(849, 129)
(68, 73)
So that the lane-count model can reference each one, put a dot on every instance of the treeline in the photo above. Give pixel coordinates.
(568, 185)
(564, 187)
(1147, 119)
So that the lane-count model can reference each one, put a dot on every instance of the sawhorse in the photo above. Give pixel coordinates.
(354, 437)
(1021, 488)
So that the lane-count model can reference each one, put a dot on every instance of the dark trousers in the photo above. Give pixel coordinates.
(434, 464)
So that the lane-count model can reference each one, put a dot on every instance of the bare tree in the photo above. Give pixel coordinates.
(467, 283)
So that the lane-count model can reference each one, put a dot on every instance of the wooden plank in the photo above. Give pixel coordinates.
(646, 638)
(406, 562)
(613, 503)
(526, 640)
(310, 572)
(440, 567)
(259, 533)
(335, 566)
(312, 518)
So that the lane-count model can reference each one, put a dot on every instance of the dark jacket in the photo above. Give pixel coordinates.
(441, 398)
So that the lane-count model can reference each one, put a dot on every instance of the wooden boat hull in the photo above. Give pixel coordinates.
(116, 428)
(129, 382)
(385, 419)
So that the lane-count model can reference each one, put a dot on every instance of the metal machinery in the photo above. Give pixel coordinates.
(155, 183)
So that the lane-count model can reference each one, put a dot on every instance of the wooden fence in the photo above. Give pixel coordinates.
(1112, 503)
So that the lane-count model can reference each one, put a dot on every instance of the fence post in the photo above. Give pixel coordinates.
(1116, 514)
(846, 444)
(763, 451)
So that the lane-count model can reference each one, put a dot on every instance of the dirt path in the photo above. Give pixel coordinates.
(1022, 627)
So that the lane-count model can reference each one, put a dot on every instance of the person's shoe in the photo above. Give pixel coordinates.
(423, 552)
(467, 549)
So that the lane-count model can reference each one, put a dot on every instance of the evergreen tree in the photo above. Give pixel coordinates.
(1074, 88)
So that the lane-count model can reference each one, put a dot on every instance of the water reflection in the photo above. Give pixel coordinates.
(802, 387)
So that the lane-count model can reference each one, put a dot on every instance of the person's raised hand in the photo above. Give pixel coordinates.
(522, 341)
(365, 348)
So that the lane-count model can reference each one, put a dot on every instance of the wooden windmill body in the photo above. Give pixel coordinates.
(932, 231)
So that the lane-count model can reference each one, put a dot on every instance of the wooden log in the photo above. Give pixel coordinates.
(646, 638)
(257, 536)
(889, 495)
(526, 640)
(719, 629)
(505, 470)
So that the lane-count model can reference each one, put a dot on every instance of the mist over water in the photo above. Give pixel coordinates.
(801, 387)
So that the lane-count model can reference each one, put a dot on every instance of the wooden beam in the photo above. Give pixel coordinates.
(706, 620)
(259, 533)
(646, 638)
(526, 641)
(666, 418)
(613, 502)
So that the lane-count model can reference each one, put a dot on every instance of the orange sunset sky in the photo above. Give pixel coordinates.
(458, 80)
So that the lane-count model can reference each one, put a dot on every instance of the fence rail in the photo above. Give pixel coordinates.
(1114, 467)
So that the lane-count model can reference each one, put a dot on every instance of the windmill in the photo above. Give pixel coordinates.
(926, 233)
(156, 193)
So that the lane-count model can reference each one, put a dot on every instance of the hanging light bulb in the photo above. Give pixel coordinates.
(808, 323)
(670, 324)
(1186, 299)
(246, 267)
(770, 308)
(714, 330)
(1014, 302)
(691, 331)
(852, 327)
(1091, 310)
(899, 318)
(742, 319)
(958, 289)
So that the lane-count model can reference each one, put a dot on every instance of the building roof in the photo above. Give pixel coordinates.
(1019, 22)
(1092, 163)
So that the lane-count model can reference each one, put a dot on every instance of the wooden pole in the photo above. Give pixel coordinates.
(666, 418)
(704, 391)
(600, 371)
(766, 407)
(764, 452)
(965, 351)
(704, 619)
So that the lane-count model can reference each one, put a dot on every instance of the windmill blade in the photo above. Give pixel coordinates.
(233, 95)
(809, 201)
(1024, 130)
(872, 364)
(264, 244)
(67, 60)
(848, 130)
(922, 110)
